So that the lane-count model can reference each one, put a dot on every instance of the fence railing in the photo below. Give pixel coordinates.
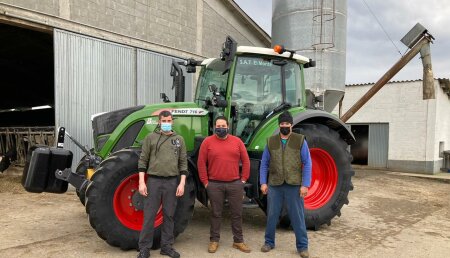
(19, 139)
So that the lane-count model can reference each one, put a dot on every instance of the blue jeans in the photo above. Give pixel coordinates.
(288, 195)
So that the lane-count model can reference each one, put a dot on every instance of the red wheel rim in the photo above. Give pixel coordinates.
(123, 205)
(324, 179)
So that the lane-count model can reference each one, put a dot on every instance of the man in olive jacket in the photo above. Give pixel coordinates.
(163, 159)
(285, 175)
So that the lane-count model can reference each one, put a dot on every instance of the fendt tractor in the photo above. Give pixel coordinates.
(250, 86)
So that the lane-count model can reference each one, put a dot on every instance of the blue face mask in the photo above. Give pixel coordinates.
(166, 127)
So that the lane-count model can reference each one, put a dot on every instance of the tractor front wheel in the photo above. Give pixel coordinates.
(81, 170)
(115, 207)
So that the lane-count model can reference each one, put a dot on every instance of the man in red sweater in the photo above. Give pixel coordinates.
(218, 169)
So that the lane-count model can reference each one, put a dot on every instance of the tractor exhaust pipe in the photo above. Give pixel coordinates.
(178, 81)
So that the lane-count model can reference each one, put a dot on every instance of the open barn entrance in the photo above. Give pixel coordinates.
(27, 95)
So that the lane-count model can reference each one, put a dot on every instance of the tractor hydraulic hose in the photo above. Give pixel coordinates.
(78, 144)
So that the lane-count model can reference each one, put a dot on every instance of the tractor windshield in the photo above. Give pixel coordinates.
(258, 90)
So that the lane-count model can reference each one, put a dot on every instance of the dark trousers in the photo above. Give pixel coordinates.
(161, 191)
(217, 192)
(289, 195)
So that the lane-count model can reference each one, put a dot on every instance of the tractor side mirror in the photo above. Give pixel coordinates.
(228, 52)
(219, 101)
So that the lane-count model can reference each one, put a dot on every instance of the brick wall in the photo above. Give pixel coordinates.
(170, 23)
(45, 6)
(191, 26)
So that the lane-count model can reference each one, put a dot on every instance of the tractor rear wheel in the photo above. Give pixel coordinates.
(331, 176)
(114, 205)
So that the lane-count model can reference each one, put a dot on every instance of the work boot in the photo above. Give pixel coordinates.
(144, 253)
(266, 248)
(242, 247)
(304, 253)
(212, 247)
(170, 252)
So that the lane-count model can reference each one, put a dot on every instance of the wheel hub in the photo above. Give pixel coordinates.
(128, 204)
(323, 181)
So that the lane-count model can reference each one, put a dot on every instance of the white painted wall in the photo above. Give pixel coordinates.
(442, 120)
(416, 126)
(400, 104)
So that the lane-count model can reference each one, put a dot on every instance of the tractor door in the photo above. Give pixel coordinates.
(260, 86)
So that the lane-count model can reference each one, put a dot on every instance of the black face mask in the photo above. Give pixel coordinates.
(285, 130)
(221, 132)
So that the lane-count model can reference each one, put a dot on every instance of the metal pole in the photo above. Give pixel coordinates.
(386, 77)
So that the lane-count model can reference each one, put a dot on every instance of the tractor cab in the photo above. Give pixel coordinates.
(256, 84)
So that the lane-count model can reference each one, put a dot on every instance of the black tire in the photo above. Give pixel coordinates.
(99, 203)
(81, 170)
(321, 137)
(284, 221)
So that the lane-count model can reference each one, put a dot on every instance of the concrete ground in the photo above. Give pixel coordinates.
(389, 215)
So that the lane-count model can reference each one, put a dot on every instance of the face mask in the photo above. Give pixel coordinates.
(166, 127)
(285, 130)
(221, 132)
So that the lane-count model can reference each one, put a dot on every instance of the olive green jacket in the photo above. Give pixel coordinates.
(163, 155)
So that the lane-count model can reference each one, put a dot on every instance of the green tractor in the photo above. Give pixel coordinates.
(249, 85)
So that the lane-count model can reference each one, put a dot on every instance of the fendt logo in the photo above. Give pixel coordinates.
(184, 112)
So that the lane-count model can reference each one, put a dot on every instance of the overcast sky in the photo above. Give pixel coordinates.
(369, 52)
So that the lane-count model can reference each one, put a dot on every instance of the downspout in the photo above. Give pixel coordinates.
(428, 79)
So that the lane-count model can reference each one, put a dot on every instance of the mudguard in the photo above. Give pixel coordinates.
(321, 117)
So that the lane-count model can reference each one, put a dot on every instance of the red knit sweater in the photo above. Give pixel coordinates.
(219, 159)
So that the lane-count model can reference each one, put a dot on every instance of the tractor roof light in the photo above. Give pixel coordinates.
(279, 49)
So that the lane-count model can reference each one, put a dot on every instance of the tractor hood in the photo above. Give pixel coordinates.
(128, 127)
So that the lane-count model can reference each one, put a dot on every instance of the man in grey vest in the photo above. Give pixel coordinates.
(285, 175)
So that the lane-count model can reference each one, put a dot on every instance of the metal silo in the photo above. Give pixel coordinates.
(316, 29)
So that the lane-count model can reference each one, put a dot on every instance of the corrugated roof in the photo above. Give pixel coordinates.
(372, 83)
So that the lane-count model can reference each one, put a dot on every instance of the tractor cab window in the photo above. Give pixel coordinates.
(257, 91)
(212, 77)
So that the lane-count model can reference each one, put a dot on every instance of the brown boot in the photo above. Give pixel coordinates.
(242, 247)
(212, 247)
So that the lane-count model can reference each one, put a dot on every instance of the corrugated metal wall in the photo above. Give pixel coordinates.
(93, 76)
(378, 145)
(153, 78)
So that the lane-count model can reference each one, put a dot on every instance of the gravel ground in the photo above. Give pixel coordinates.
(389, 215)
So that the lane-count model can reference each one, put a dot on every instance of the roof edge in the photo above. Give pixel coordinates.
(372, 83)
(262, 33)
